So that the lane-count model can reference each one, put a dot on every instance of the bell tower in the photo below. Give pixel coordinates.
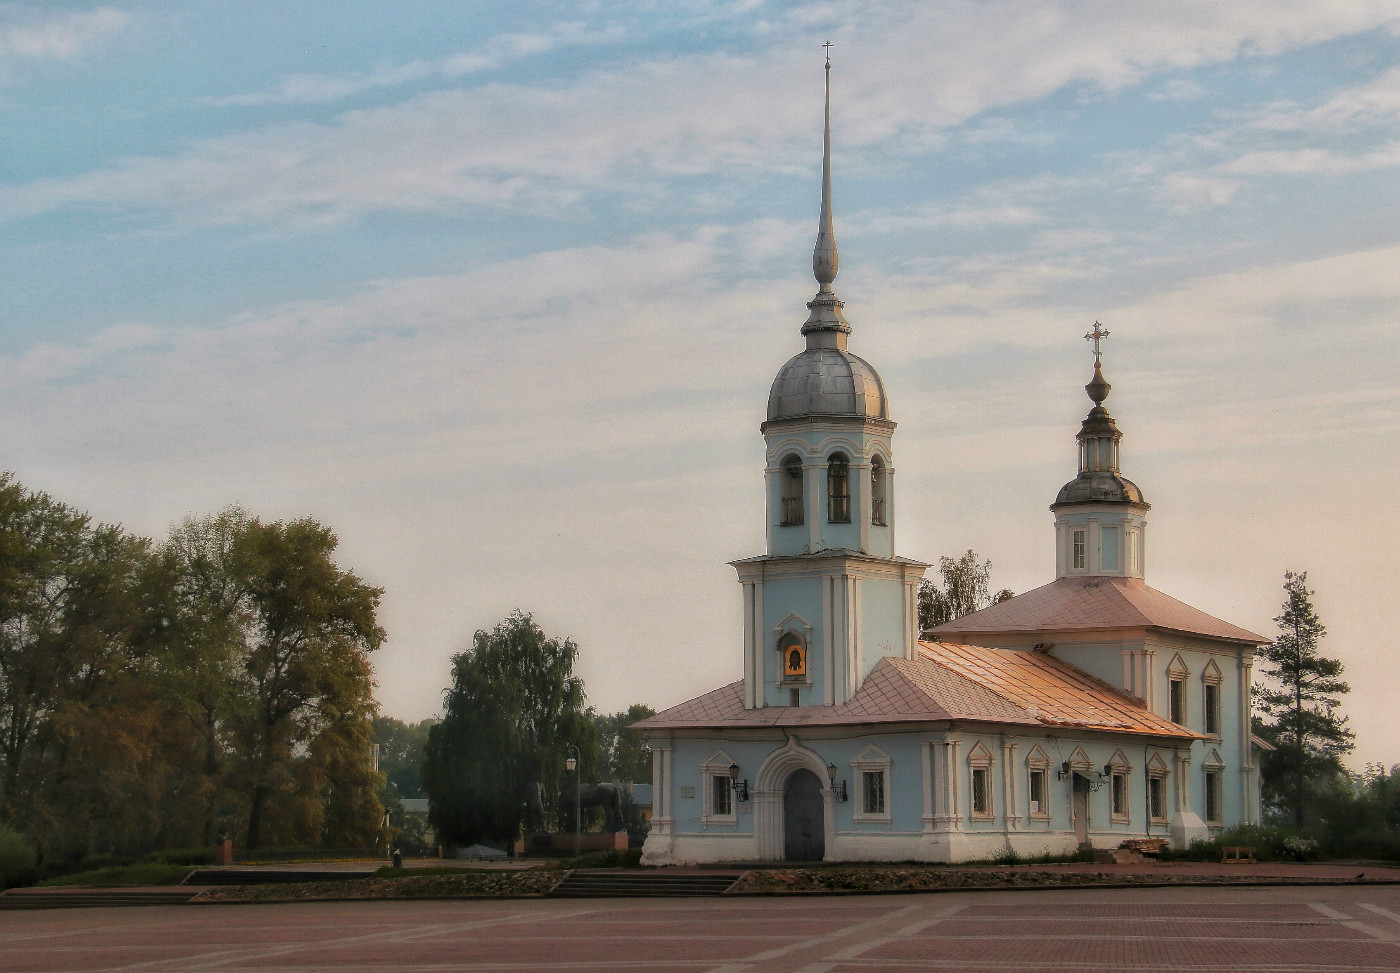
(829, 598)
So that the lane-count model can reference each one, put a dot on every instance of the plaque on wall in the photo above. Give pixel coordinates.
(687, 792)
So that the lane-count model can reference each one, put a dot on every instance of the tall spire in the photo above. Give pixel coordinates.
(825, 326)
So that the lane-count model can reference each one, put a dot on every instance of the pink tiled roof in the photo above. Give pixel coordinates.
(1079, 604)
(944, 683)
(1053, 691)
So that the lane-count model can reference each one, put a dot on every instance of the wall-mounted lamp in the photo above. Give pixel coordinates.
(1107, 772)
(1065, 771)
(741, 787)
(837, 787)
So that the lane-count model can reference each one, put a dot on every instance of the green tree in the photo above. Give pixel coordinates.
(622, 751)
(403, 747)
(966, 588)
(1297, 707)
(77, 722)
(512, 711)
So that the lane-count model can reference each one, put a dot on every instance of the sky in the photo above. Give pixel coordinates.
(497, 291)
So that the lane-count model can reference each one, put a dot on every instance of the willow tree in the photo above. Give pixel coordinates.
(512, 712)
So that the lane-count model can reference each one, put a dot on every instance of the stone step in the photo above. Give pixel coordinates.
(79, 898)
(605, 883)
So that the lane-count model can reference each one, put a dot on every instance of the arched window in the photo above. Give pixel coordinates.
(791, 492)
(877, 492)
(838, 489)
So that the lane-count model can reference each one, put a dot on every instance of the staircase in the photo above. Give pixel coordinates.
(79, 898)
(598, 883)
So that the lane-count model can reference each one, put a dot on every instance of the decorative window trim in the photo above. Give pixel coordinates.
(799, 628)
(1211, 710)
(875, 761)
(1079, 548)
(979, 760)
(792, 508)
(879, 491)
(717, 765)
(1157, 772)
(838, 501)
(1038, 762)
(1177, 674)
(1120, 802)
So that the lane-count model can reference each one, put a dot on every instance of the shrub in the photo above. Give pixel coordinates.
(18, 860)
(182, 856)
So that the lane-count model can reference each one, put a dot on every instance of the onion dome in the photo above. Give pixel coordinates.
(1099, 480)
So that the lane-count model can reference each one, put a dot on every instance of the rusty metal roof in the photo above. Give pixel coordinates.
(1084, 604)
(945, 683)
(1051, 690)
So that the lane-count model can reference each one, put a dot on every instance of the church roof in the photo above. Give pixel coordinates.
(1095, 603)
(945, 683)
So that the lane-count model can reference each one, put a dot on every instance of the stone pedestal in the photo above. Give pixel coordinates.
(223, 852)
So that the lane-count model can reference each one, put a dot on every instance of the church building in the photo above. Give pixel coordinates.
(1085, 712)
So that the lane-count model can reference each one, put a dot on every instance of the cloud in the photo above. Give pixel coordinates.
(30, 34)
(309, 89)
(629, 127)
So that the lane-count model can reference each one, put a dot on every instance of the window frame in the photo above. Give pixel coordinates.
(838, 489)
(879, 492)
(980, 761)
(1038, 765)
(872, 760)
(1079, 548)
(792, 505)
(712, 771)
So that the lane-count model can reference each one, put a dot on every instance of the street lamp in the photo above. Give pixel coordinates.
(571, 763)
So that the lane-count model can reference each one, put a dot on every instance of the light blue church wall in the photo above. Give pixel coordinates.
(784, 598)
(882, 621)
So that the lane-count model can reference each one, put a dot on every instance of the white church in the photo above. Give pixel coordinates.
(1085, 712)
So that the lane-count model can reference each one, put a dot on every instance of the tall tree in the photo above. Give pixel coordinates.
(622, 751)
(403, 747)
(512, 711)
(1298, 706)
(966, 588)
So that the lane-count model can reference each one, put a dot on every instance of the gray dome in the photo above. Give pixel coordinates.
(827, 382)
(1100, 487)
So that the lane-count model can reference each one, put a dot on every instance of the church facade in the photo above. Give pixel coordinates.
(1082, 713)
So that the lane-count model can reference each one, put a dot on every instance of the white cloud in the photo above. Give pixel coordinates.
(623, 127)
(308, 89)
(32, 34)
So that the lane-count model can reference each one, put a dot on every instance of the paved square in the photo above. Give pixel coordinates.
(1320, 928)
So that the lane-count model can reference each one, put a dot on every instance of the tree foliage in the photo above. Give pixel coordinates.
(1297, 708)
(151, 693)
(966, 588)
(622, 752)
(403, 747)
(512, 711)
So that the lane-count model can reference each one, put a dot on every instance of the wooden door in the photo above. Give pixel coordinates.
(804, 823)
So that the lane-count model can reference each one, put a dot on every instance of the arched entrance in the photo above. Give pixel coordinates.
(804, 820)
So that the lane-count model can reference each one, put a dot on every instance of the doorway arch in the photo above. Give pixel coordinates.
(769, 805)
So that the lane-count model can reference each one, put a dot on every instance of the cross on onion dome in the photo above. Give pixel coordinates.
(1095, 336)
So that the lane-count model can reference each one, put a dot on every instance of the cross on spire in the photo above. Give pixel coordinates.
(827, 47)
(1096, 336)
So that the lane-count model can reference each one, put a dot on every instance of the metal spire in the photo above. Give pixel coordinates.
(825, 326)
(824, 260)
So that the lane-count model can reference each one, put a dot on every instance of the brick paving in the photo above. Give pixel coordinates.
(1297, 929)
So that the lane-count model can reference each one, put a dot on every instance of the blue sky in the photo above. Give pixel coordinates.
(497, 292)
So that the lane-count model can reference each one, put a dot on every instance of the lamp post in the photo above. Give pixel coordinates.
(572, 763)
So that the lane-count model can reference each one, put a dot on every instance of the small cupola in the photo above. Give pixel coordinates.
(1100, 521)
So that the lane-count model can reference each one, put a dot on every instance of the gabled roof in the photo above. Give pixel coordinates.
(944, 683)
(1087, 604)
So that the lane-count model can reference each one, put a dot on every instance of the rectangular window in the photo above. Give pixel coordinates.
(721, 796)
(1155, 793)
(981, 792)
(1038, 806)
(1134, 552)
(1079, 561)
(1120, 796)
(1212, 702)
(1108, 548)
(1212, 797)
(1178, 701)
(874, 791)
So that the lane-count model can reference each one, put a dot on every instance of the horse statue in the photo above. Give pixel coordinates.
(606, 796)
(532, 798)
